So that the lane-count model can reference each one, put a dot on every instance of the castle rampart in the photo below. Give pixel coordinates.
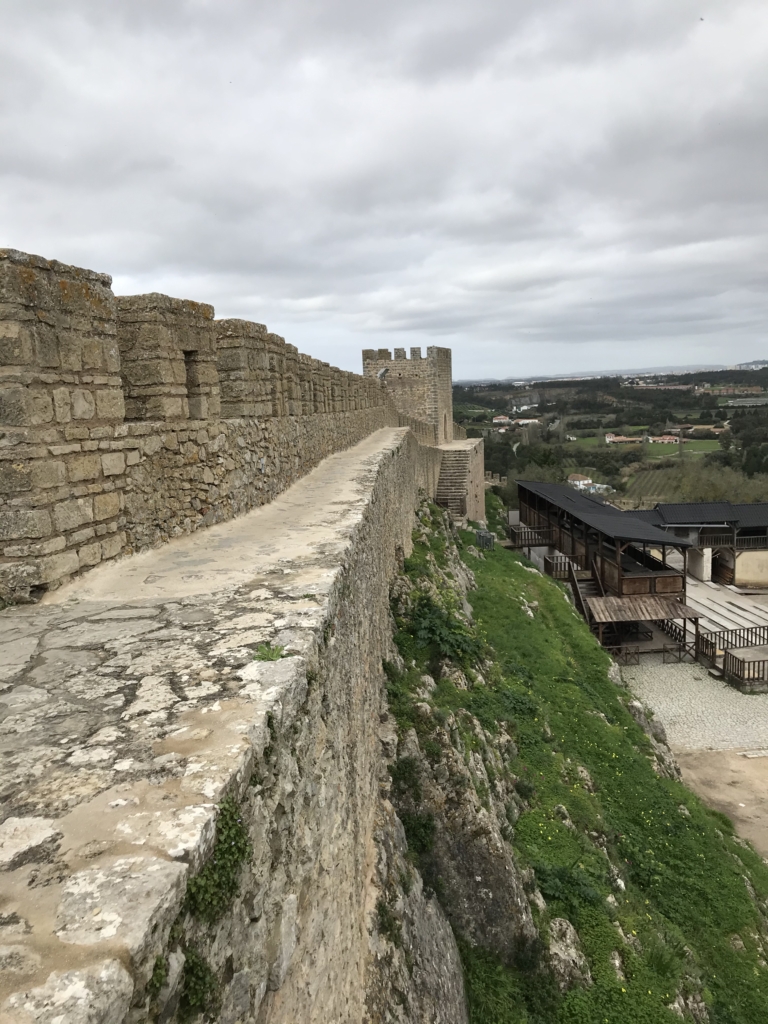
(126, 421)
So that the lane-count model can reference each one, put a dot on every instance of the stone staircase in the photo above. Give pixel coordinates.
(452, 484)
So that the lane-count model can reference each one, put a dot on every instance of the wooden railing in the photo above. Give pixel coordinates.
(672, 653)
(672, 629)
(725, 540)
(742, 670)
(625, 655)
(556, 566)
(732, 639)
(527, 536)
(573, 580)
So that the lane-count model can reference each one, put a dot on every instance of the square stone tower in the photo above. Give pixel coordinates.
(420, 388)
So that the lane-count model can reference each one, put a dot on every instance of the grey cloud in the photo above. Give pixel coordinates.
(512, 179)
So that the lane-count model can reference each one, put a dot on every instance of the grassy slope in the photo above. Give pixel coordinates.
(686, 893)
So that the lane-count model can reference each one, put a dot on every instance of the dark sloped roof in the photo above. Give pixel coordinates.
(709, 513)
(697, 512)
(608, 519)
(752, 515)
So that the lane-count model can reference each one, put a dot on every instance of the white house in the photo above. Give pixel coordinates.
(579, 482)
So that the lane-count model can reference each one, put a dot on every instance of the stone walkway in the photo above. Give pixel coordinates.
(130, 701)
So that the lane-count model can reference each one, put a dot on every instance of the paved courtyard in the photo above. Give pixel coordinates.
(699, 712)
(719, 736)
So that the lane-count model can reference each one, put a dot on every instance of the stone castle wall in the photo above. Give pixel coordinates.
(172, 716)
(127, 421)
(420, 388)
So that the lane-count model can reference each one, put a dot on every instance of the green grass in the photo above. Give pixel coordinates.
(685, 886)
(685, 895)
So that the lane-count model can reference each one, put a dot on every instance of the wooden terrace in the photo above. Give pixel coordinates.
(620, 550)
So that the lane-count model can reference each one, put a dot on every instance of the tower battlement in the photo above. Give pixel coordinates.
(419, 387)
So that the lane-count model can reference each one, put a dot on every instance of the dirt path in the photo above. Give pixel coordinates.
(712, 730)
(734, 784)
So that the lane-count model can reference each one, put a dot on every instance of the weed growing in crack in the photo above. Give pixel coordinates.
(266, 652)
(212, 890)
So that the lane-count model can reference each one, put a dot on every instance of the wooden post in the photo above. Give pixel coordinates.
(619, 576)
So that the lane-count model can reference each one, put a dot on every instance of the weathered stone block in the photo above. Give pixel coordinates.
(54, 567)
(26, 839)
(68, 515)
(135, 899)
(48, 473)
(97, 994)
(70, 349)
(16, 524)
(132, 458)
(15, 345)
(39, 407)
(113, 545)
(90, 554)
(14, 477)
(93, 354)
(83, 405)
(13, 406)
(110, 405)
(46, 345)
(113, 463)
(62, 405)
(84, 467)
(167, 407)
(106, 505)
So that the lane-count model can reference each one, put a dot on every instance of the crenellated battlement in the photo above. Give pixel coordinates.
(126, 421)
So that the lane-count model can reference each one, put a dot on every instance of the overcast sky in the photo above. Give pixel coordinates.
(543, 186)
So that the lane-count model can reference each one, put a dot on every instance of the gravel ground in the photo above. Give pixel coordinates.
(699, 712)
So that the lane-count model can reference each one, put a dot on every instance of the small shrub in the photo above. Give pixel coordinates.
(266, 652)
(159, 974)
(199, 992)
(526, 789)
(406, 778)
(434, 627)
(419, 831)
(389, 926)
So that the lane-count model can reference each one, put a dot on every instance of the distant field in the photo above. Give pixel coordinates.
(667, 451)
(650, 483)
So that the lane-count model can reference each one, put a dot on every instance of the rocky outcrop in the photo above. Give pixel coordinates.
(664, 763)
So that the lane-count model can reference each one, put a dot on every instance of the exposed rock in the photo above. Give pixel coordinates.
(617, 965)
(664, 763)
(132, 902)
(26, 839)
(99, 994)
(568, 963)
(614, 674)
(169, 994)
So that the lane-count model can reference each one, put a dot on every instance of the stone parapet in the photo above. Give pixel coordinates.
(112, 432)
(168, 353)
